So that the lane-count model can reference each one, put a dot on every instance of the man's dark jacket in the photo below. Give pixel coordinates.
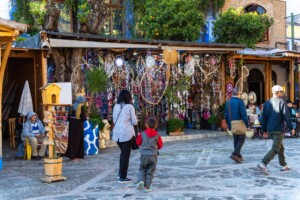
(238, 111)
(275, 113)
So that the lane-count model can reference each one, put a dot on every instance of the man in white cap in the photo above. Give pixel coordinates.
(275, 113)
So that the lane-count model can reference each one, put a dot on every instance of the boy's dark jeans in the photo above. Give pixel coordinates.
(125, 148)
(238, 142)
(147, 169)
(277, 148)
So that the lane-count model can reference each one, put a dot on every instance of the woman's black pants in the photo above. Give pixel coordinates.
(125, 148)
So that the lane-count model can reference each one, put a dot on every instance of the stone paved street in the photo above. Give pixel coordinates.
(193, 169)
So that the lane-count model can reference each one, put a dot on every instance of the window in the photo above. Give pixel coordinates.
(260, 10)
(255, 8)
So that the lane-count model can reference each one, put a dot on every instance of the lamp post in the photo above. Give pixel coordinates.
(292, 30)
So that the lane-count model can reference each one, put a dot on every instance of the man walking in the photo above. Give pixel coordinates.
(235, 110)
(275, 113)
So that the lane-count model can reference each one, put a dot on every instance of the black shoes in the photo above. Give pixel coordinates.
(37, 157)
(236, 158)
(124, 180)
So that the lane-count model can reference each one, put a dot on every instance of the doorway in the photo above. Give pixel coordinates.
(256, 84)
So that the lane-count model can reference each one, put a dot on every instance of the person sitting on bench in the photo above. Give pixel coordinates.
(35, 132)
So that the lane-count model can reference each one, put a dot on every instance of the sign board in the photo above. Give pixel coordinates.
(65, 93)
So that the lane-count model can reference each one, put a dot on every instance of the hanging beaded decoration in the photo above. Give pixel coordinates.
(109, 64)
(208, 66)
(110, 98)
(243, 75)
(231, 67)
(209, 81)
(189, 66)
(153, 84)
(140, 66)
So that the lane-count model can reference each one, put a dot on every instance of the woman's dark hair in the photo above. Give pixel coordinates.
(125, 97)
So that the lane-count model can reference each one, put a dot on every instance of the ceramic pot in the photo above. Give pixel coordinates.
(224, 125)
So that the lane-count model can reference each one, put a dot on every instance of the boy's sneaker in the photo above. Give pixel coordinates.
(147, 190)
(285, 168)
(263, 168)
(124, 180)
(140, 185)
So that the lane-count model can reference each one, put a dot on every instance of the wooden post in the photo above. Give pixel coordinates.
(223, 81)
(270, 80)
(44, 68)
(267, 79)
(2, 71)
(292, 81)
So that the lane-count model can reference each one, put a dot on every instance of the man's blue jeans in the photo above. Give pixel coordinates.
(238, 142)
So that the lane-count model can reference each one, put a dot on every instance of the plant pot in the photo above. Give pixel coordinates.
(53, 170)
(198, 126)
(53, 167)
(224, 125)
(213, 127)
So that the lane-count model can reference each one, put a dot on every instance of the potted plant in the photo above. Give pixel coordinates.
(175, 126)
(221, 117)
(198, 120)
(96, 81)
(213, 120)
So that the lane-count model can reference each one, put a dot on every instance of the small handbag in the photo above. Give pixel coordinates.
(238, 127)
(134, 144)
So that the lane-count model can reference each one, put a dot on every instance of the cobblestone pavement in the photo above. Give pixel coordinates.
(195, 169)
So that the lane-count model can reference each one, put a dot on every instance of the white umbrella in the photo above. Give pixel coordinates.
(25, 105)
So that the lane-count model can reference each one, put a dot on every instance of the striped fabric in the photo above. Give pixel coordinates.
(35, 128)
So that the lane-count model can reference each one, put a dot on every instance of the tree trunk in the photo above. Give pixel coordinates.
(60, 65)
(68, 68)
(77, 76)
(73, 17)
(97, 16)
(51, 17)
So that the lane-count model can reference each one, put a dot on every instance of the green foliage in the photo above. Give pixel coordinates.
(20, 39)
(170, 19)
(221, 111)
(179, 20)
(173, 124)
(181, 84)
(83, 11)
(22, 13)
(95, 118)
(96, 79)
(213, 119)
(38, 11)
(235, 26)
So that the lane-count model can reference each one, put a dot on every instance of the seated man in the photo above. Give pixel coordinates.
(35, 132)
(293, 114)
(292, 111)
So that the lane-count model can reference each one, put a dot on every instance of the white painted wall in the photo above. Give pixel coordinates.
(4, 9)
